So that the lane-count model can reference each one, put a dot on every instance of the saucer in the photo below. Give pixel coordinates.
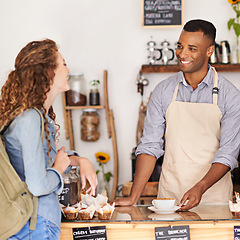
(164, 211)
(167, 217)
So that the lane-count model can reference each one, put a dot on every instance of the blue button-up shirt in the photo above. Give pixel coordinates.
(152, 142)
(28, 155)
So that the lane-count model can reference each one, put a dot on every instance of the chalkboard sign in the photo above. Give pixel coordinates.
(158, 13)
(93, 233)
(236, 232)
(172, 233)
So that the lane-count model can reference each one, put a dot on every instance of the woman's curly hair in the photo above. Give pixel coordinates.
(27, 86)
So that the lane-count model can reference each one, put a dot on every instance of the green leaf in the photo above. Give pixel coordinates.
(230, 23)
(236, 11)
(97, 171)
(236, 27)
(108, 176)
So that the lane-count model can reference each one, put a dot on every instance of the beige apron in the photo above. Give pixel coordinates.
(192, 138)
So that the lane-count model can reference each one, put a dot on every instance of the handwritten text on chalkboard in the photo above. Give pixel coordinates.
(162, 12)
(172, 233)
(91, 233)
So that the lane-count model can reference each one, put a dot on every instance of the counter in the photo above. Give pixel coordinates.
(206, 221)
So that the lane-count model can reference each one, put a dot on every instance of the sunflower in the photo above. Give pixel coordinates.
(233, 1)
(102, 157)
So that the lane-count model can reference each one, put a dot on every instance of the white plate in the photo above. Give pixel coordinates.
(164, 211)
(171, 216)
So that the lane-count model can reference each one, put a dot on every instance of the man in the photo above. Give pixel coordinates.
(193, 118)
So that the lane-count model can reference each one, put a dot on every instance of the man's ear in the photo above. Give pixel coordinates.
(210, 50)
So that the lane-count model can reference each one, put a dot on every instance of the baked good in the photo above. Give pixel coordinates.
(86, 213)
(70, 213)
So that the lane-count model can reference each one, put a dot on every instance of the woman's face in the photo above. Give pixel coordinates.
(60, 80)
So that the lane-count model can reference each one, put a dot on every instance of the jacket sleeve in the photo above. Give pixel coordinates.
(39, 179)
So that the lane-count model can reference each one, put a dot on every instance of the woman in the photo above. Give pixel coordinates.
(40, 75)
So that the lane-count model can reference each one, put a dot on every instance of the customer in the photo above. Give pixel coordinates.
(193, 118)
(40, 75)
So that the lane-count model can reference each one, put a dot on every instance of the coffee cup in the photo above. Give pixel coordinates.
(163, 203)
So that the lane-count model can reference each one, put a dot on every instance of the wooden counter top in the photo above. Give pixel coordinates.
(206, 221)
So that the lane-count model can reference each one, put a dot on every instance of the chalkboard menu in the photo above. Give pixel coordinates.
(172, 233)
(91, 233)
(162, 13)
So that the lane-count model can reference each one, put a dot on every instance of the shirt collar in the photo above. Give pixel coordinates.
(207, 80)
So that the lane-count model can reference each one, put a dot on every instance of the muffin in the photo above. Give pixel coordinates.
(70, 213)
(105, 215)
(105, 212)
(86, 213)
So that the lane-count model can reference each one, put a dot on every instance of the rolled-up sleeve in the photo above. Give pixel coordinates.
(154, 127)
(228, 151)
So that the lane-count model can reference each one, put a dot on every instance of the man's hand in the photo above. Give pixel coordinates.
(125, 201)
(194, 195)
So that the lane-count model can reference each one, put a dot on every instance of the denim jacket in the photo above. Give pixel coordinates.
(28, 155)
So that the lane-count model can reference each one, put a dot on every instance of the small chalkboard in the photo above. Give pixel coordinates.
(236, 232)
(93, 233)
(173, 232)
(158, 13)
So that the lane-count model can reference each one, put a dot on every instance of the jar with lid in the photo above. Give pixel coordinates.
(89, 125)
(94, 97)
(71, 192)
(76, 96)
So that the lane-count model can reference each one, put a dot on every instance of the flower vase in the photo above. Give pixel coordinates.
(235, 56)
(103, 185)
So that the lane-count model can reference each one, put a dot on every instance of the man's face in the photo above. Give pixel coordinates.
(193, 51)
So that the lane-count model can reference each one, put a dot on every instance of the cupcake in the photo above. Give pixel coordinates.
(105, 212)
(235, 207)
(86, 213)
(70, 213)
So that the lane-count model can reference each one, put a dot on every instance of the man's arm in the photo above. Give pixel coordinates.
(144, 168)
(194, 195)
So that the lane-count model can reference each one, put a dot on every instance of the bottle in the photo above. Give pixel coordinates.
(76, 96)
(94, 97)
(89, 125)
(71, 190)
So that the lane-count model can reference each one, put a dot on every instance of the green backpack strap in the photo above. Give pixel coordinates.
(33, 221)
(42, 123)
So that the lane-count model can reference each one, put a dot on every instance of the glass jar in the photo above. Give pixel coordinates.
(89, 125)
(71, 192)
(94, 96)
(76, 96)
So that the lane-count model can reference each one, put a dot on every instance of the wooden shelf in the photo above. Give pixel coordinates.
(175, 68)
(83, 107)
(67, 113)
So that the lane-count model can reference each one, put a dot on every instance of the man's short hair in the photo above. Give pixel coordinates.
(204, 26)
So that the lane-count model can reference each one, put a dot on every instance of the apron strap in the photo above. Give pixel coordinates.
(214, 91)
(175, 93)
(215, 86)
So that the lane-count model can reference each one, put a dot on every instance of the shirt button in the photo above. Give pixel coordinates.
(53, 134)
(51, 121)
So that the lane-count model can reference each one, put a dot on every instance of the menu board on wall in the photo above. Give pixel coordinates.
(158, 13)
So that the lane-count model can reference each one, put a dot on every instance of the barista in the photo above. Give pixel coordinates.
(193, 118)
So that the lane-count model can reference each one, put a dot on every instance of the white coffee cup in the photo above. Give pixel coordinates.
(163, 203)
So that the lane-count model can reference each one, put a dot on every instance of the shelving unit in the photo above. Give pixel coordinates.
(67, 113)
(175, 68)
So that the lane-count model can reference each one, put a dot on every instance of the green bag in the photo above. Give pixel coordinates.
(17, 203)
